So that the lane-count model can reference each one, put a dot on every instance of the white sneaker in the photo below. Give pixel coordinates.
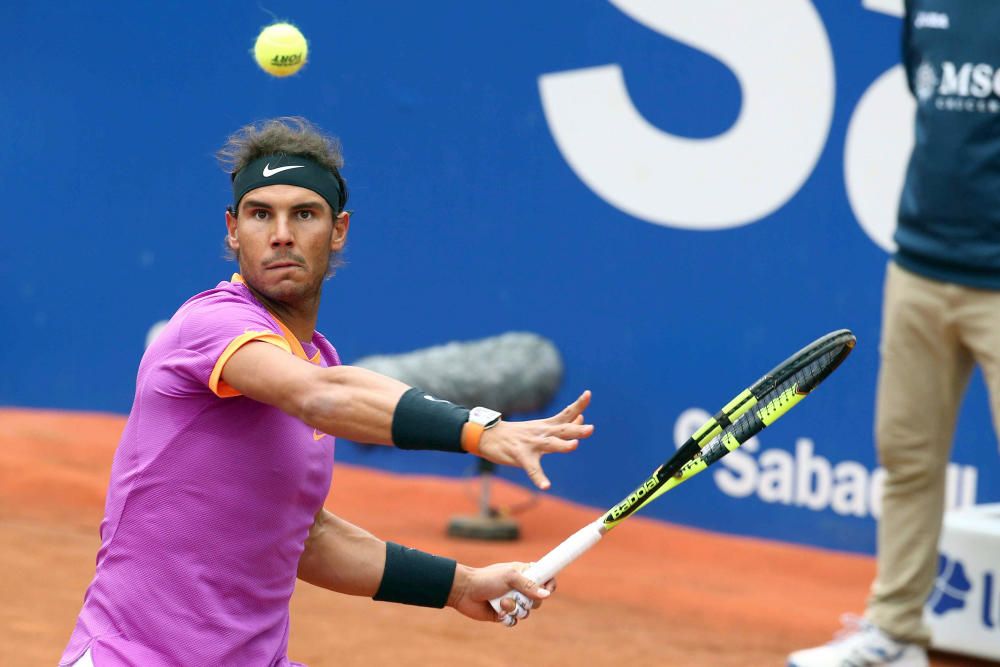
(860, 644)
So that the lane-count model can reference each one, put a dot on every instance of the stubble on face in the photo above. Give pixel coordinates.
(269, 278)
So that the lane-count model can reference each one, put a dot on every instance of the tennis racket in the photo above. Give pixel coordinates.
(755, 408)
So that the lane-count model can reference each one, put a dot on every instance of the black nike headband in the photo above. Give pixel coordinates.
(284, 169)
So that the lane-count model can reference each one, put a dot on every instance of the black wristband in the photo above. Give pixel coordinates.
(423, 422)
(415, 577)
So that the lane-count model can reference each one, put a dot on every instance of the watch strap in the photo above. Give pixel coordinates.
(472, 433)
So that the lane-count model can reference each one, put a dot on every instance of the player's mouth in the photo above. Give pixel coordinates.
(284, 264)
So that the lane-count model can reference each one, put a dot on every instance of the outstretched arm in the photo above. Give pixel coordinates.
(359, 404)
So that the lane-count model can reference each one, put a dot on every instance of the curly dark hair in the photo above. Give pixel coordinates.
(291, 135)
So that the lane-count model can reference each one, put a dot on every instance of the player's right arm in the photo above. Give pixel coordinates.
(342, 557)
(358, 404)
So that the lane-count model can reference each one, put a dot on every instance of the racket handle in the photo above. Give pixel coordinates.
(551, 564)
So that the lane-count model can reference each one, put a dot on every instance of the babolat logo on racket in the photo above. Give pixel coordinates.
(627, 506)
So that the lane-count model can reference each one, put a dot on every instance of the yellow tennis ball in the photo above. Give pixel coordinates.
(280, 49)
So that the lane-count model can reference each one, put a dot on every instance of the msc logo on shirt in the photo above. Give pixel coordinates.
(937, 20)
(969, 87)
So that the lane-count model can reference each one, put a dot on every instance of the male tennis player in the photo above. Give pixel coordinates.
(215, 503)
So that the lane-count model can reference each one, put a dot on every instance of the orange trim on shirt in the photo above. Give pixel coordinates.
(293, 341)
(215, 382)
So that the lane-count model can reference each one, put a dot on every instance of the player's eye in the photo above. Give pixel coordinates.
(259, 214)
(305, 214)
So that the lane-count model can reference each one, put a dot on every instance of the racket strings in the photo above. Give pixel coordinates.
(773, 404)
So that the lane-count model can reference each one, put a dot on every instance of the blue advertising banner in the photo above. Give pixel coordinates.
(677, 194)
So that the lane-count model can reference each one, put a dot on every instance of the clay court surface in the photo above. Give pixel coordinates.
(654, 593)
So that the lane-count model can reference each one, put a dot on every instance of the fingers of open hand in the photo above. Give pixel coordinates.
(561, 438)
(574, 409)
(571, 432)
(551, 440)
(569, 423)
(533, 468)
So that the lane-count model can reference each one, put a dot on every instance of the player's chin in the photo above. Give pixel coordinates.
(287, 286)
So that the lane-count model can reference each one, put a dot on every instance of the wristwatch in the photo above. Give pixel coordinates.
(480, 419)
(484, 417)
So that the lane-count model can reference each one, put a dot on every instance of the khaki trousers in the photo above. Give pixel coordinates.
(933, 333)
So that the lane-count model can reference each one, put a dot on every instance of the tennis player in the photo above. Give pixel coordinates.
(215, 503)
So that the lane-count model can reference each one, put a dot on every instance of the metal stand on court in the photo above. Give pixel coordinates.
(488, 524)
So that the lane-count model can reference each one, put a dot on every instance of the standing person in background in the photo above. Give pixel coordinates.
(941, 317)
(215, 503)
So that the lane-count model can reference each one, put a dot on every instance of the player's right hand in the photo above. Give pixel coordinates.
(475, 587)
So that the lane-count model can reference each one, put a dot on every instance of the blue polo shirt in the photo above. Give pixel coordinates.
(949, 213)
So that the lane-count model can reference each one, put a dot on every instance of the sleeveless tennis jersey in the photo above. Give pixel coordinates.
(211, 499)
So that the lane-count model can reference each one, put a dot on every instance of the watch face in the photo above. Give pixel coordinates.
(484, 416)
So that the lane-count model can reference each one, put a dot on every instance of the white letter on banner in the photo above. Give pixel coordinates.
(808, 468)
(776, 472)
(876, 151)
(891, 7)
(850, 489)
(780, 54)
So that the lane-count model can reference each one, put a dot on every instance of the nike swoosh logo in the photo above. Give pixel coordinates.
(436, 400)
(268, 172)
(317, 435)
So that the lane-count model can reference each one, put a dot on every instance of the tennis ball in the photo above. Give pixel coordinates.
(280, 49)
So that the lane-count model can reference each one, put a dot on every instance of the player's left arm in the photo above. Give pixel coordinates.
(345, 558)
(361, 405)
(344, 401)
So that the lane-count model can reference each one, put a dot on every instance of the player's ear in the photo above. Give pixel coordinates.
(231, 238)
(341, 224)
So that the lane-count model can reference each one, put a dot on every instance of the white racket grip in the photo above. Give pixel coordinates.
(553, 562)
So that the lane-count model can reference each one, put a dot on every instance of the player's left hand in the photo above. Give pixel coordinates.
(475, 587)
(522, 444)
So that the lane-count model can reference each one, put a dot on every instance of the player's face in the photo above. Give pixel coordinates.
(283, 236)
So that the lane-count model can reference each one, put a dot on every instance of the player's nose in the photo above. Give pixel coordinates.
(281, 234)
